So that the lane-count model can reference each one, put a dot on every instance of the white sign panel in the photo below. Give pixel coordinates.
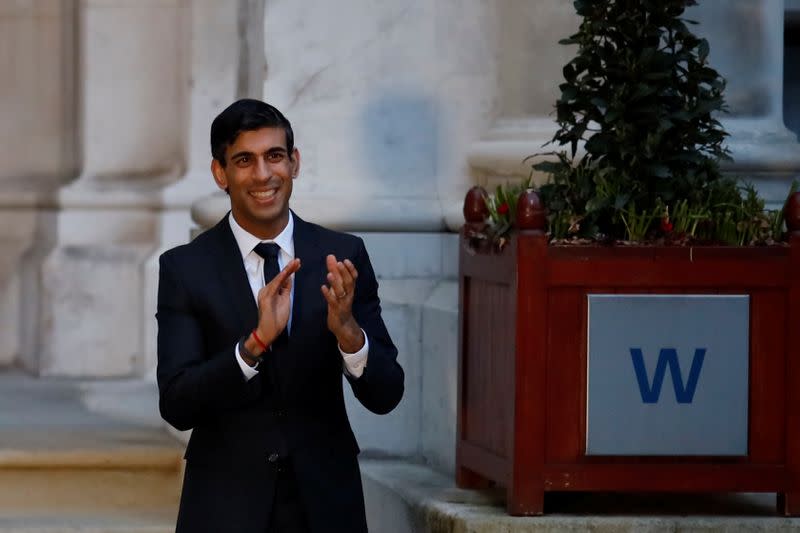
(667, 374)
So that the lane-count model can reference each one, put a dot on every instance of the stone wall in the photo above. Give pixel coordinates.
(747, 48)
(398, 108)
(105, 125)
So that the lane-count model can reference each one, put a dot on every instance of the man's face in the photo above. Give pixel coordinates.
(258, 175)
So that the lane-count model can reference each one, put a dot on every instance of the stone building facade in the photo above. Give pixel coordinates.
(398, 108)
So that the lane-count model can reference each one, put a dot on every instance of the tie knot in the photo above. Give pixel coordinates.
(267, 250)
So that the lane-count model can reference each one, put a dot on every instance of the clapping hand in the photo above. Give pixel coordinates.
(339, 293)
(275, 304)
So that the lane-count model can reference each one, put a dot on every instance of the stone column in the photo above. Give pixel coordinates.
(746, 38)
(37, 101)
(86, 320)
(212, 39)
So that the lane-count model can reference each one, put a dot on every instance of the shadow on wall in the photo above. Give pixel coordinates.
(791, 71)
(400, 141)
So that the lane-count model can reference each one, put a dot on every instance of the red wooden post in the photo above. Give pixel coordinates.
(475, 214)
(475, 210)
(792, 213)
(526, 485)
(531, 213)
(789, 501)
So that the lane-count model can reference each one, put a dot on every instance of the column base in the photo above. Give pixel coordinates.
(84, 289)
(91, 296)
(502, 153)
(765, 154)
(761, 146)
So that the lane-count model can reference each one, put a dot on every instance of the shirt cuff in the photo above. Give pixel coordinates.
(248, 371)
(355, 363)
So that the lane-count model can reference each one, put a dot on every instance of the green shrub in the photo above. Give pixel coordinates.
(642, 98)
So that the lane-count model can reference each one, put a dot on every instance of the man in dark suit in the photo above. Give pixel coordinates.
(259, 319)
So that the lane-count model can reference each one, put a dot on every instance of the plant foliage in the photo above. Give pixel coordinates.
(642, 98)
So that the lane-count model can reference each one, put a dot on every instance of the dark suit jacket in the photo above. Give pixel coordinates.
(294, 406)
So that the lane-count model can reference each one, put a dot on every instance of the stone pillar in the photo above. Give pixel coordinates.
(746, 38)
(212, 37)
(38, 148)
(86, 319)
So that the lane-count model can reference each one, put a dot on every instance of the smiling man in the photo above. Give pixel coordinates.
(260, 320)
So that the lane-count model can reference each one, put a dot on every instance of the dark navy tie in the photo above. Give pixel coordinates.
(269, 251)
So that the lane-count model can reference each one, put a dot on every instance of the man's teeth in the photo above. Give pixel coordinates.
(263, 195)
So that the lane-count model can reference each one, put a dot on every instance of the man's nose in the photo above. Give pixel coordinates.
(262, 169)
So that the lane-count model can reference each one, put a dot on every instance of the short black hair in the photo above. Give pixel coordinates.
(246, 115)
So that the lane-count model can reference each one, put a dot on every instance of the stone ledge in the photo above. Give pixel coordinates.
(123, 458)
(89, 523)
(403, 497)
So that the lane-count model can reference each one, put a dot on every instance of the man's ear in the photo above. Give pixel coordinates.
(295, 162)
(219, 175)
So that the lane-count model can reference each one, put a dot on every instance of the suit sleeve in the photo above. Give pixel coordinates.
(193, 384)
(380, 387)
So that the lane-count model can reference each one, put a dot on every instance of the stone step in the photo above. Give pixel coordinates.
(41, 483)
(67, 468)
(131, 522)
(403, 497)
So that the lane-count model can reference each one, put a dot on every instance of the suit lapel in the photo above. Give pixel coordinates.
(306, 248)
(233, 277)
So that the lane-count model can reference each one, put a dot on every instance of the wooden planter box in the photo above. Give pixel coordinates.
(522, 395)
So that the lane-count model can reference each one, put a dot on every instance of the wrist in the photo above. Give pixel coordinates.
(351, 339)
(261, 340)
(252, 363)
(247, 354)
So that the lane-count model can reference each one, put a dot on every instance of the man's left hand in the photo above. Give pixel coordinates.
(339, 294)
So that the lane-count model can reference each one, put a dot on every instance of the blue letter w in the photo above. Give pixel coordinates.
(667, 356)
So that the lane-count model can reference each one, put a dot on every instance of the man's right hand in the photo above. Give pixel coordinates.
(275, 304)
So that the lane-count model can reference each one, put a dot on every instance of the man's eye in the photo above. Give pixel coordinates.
(275, 157)
(243, 161)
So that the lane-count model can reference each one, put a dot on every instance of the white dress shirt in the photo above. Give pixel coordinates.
(353, 364)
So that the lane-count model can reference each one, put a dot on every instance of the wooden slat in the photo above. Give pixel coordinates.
(500, 412)
(566, 365)
(767, 388)
(624, 273)
(737, 253)
(665, 477)
(484, 317)
(488, 372)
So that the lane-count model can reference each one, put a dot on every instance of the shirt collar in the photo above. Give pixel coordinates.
(247, 241)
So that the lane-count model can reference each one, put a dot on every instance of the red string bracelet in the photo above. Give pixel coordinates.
(261, 343)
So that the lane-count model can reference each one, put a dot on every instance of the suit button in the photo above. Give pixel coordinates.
(279, 414)
(273, 457)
